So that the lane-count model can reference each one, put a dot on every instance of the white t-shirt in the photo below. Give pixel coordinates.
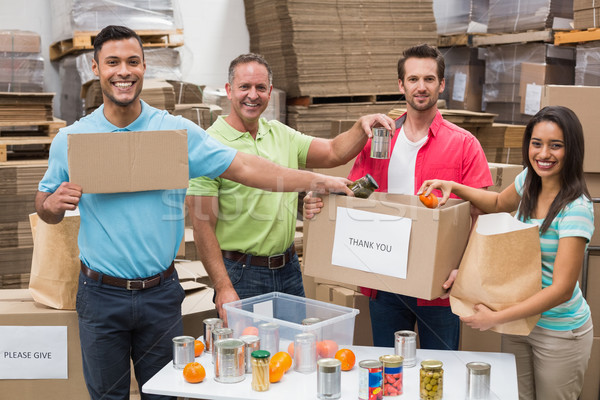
(401, 172)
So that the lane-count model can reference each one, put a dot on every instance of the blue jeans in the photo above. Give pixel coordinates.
(439, 329)
(251, 280)
(116, 325)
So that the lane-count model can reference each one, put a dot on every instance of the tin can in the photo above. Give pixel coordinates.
(268, 333)
(183, 351)
(260, 370)
(305, 352)
(478, 381)
(311, 321)
(392, 375)
(209, 325)
(381, 143)
(431, 379)
(218, 334)
(370, 380)
(364, 186)
(329, 378)
(230, 360)
(251, 343)
(405, 345)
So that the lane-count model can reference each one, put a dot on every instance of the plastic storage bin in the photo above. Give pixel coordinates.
(288, 312)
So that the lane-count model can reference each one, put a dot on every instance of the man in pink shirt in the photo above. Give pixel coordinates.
(424, 146)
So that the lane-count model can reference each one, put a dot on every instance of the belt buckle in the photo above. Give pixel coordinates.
(282, 255)
(129, 282)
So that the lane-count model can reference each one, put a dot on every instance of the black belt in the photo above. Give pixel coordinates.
(129, 284)
(272, 262)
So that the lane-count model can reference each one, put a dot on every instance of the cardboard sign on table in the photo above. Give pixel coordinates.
(501, 267)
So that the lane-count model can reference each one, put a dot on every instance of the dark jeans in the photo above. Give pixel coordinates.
(251, 280)
(439, 329)
(116, 325)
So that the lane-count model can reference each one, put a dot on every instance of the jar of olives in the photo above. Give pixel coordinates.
(431, 380)
(364, 186)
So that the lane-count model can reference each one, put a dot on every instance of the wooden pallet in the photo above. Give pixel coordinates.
(546, 35)
(84, 40)
(463, 39)
(306, 101)
(27, 140)
(577, 36)
(37, 128)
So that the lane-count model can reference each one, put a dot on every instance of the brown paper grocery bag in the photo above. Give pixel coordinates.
(501, 267)
(55, 265)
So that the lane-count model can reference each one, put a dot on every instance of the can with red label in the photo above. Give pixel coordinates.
(392, 375)
(370, 380)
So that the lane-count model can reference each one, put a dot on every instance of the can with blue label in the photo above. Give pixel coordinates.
(392, 374)
(370, 380)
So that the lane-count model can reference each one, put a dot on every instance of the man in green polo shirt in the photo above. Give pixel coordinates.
(253, 228)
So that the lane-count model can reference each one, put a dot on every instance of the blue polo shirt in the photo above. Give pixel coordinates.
(133, 235)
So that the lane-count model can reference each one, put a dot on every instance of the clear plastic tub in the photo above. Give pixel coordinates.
(288, 311)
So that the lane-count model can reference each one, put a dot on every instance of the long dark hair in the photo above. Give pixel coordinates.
(572, 183)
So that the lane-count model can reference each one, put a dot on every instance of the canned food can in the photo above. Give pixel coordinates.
(370, 380)
(268, 333)
(405, 345)
(183, 351)
(230, 360)
(218, 334)
(209, 325)
(251, 343)
(329, 378)
(310, 320)
(431, 379)
(478, 381)
(305, 352)
(381, 143)
(392, 375)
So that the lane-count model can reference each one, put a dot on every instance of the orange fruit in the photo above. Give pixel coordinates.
(198, 348)
(194, 372)
(291, 349)
(327, 348)
(276, 371)
(347, 357)
(250, 330)
(430, 200)
(282, 358)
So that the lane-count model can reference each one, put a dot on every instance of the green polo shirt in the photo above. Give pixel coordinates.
(251, 220)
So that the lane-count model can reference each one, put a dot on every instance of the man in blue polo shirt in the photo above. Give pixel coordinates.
(129, 297)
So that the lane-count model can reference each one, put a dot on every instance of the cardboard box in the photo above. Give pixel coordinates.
(591, 379)
(503, 175)
(584, 101)
(197, 306)
(387, 231)
(538, 75)
(465, 86)
(593, 184)
(363, 334)
(476, 340)
(593, 282)
(17, 308)
(113, 162)
(17, 41)
(192, 271)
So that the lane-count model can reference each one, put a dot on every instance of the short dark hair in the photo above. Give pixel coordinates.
(248, 58)
(114, 32)
(422, 51)
(571, 175)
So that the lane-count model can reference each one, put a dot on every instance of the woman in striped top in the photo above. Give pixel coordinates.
(550, 192)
